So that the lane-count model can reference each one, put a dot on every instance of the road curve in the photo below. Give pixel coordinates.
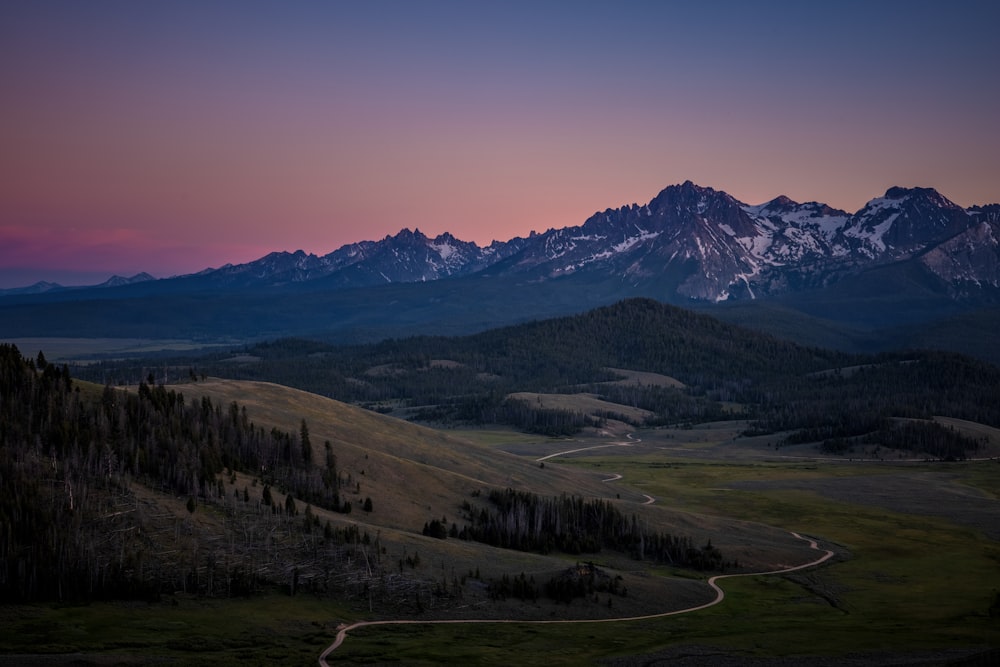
(614, 476)
(720, 595)
(582, 449)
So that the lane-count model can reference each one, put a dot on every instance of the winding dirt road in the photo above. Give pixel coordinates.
(614, 476)
(713, 582)
(720, 595)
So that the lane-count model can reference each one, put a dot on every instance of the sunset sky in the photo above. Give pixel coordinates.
(173, 136)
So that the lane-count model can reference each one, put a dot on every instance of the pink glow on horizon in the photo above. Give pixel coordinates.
(173, 138)
(112, 251)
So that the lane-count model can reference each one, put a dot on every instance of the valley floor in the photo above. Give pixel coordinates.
(913, 580)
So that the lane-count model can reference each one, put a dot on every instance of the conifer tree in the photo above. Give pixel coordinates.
(306, 445)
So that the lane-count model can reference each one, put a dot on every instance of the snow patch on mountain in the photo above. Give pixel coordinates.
(631, 242)
(444, 250)
(691, 241)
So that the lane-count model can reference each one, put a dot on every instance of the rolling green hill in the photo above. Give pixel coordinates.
(721, 370)
(228, 486)
(173, 513)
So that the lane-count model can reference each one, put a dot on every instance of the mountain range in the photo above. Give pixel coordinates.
(715, 248)
(908, 256)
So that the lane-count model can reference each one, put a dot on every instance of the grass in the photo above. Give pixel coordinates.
(582, 403)
(272, 629)
(630, 377)
(912, 573)
(905, 582)
(413, 474)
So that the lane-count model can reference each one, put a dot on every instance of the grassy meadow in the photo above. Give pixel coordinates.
(902, 583)
(916, 570)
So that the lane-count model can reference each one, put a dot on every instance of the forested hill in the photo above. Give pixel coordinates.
(548, 355)
(115, 494)
(651, 336)
(725, 370)
(72, 523)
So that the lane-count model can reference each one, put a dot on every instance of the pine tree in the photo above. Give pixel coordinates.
(306, 445)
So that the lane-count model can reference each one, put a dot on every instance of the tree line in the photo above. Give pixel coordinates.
(781, 386)
(71, 526)
(926, 438)
(525, 521)
(864, 406)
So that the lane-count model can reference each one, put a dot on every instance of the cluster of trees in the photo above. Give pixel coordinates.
(573, 353)
(570, 524)
(926, 438)
(519, 586)
(534, 419)
(862, 404)
(583, 580)
(779, 385)
(70, 525)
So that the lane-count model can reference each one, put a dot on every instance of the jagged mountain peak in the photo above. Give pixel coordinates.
(988, 213)
(781, 202)
(690, 196)
(913, 199)
(406, 234)
(902, 222)
(899, 192)
(296, 258)
(688, 242)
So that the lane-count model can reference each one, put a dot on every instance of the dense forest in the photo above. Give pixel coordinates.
(813, 394)
(865, 404)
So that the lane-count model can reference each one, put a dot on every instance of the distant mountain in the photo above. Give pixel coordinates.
(901, 224)
(970, 259)
(689, 243)
(43, 287)
(906, 257)
(699, 244)
(411, 257)
(407, 257)
(119, 281)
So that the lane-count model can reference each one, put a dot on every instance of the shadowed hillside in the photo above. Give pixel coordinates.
(230, 488)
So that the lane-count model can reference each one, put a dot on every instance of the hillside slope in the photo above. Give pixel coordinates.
(411, 472)
(135, 494)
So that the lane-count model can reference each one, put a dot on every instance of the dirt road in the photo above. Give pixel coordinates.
(713, 582)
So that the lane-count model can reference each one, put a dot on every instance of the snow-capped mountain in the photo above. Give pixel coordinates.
(409, 256)
(902, 223)
(702, 244)
(689, 243)
(799, 270)
(694, 235)
(969, 260)
(118, 281)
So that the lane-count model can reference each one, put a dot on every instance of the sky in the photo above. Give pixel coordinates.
(172, 136)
